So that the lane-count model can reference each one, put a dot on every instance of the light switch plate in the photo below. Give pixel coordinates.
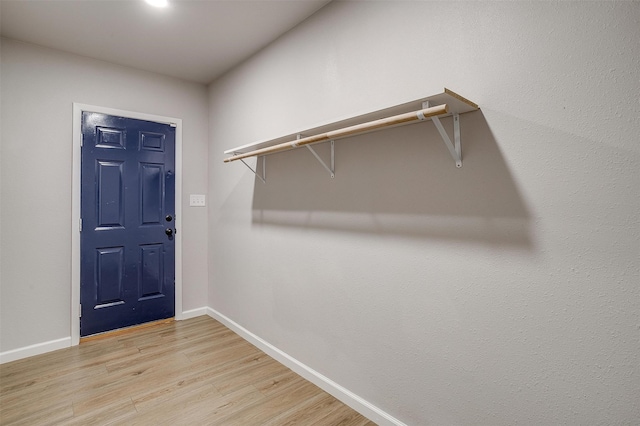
(197, 200)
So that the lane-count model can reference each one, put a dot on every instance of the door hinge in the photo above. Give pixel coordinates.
(173, 125)
(80, 224)
(80, 311)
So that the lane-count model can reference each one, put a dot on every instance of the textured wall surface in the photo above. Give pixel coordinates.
(505, 292)
(39, 87)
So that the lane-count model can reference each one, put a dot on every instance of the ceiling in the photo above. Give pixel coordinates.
(190, 39)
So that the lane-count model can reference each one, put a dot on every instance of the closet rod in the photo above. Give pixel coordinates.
(396, 120)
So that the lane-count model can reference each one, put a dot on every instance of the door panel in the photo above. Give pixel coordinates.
(152, 193)
(110, 187)
(127, 245)
(109, 276)
(151, 260)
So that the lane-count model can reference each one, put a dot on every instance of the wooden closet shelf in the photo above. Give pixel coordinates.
(431, 108)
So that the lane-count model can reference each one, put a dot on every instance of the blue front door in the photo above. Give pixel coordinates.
(127, 264)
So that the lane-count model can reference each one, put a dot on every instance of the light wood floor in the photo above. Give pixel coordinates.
(192, 372)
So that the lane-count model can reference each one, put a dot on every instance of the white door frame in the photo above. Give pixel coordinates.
(78, 108)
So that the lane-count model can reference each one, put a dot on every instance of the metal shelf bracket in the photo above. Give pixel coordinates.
(331, 169)
(455, 148)
(263, 178)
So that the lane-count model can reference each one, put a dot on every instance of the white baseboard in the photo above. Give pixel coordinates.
(33, 350)
(362, 406)
(194, 313)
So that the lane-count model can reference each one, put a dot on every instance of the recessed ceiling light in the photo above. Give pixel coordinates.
(158, 3)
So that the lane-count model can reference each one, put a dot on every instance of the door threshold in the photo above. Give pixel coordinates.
(125, 331)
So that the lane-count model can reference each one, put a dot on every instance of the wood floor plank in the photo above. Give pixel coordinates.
(222, 355)
(230, 404)
(153, 396)
(104, 413)
(38, 414)
(113, 386)
(138, 360)
(211, 411)
(195, 371)
(312, 409)
(340, 414)
(236, 379)
(178, 404)
(49, 391)
(43, 369)
(202, 407)
(274, 405)
(274, 383)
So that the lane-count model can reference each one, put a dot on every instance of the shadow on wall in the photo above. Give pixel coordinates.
(399, 181)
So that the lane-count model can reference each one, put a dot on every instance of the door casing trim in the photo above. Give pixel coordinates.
(78, 108)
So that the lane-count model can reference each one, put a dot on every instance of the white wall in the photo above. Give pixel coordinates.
(38, 89)
(505, 292)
